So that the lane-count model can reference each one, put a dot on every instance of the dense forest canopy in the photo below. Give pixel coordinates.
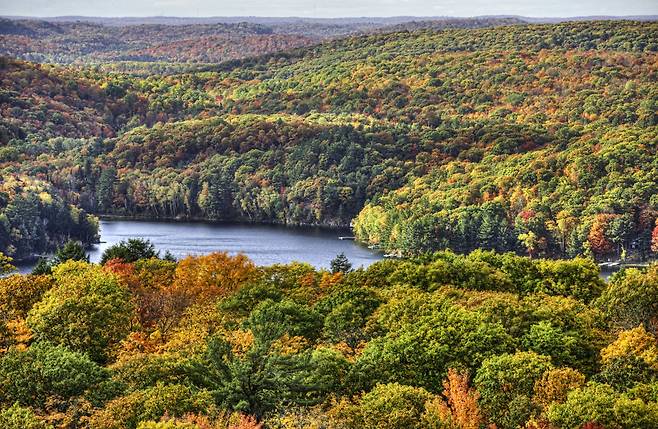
(445, 340)
(540, 139)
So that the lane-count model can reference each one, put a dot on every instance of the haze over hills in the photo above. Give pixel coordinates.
(393, 20)
(84, 42)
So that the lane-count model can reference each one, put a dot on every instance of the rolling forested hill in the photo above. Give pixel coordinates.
(532, 138)
(69, 42)
(152, 43)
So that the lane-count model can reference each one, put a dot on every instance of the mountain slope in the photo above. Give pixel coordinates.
(537, 138)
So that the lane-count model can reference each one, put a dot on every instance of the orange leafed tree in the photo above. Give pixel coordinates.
(460, 407)
(215, 275)
(654, 239)
(162, 291)
(124, 271)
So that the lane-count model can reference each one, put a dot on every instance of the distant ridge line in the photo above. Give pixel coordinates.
(392, 20)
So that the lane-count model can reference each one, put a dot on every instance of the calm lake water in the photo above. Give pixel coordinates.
(264, 244)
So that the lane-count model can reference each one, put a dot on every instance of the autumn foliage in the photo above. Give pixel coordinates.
(214, 342)
(495, 138)
(212, 276)
(458, 150)
(458, 408)
(597, 238)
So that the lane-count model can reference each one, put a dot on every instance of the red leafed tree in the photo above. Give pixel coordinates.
(597, 238)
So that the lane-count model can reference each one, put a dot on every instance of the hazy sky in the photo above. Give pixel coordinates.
(327, 8)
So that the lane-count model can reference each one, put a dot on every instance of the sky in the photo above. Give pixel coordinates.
(327, 8)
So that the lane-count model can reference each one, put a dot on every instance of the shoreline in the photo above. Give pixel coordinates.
(605, 267)
(332, 231)
(325, 226)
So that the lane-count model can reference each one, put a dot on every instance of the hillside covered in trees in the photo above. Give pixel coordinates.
(35, 220)
(540, 139)
(459, 148)
(69, 42)
(215, 342)
(154, 43)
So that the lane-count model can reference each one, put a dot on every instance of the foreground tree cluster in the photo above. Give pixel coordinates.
(440, 341)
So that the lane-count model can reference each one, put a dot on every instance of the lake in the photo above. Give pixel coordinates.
(264, 244)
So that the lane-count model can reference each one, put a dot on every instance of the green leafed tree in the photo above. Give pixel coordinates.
(45, 371)
(131, 250)
(71, 251)
(600, 404)
(17, 417)
(506, 383)
(87, 310)
(341, 264)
